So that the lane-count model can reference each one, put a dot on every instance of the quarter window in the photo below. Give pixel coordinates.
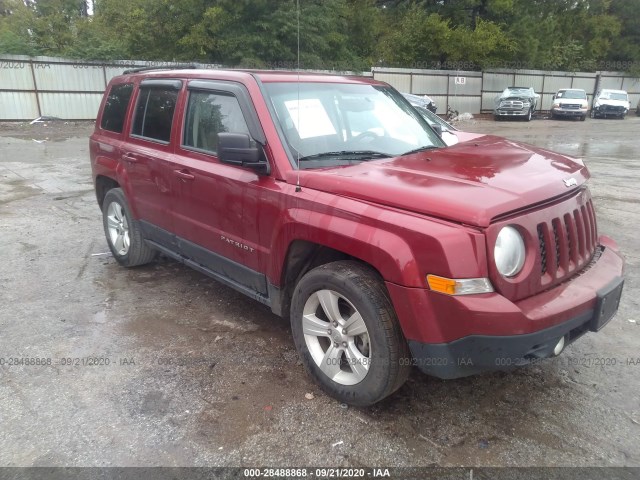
(154, 113)
(115, 108)
(209, 114)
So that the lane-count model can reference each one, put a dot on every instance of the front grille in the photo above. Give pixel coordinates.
(571, 106)
(511, 105)
(612, 108)
(567, 243)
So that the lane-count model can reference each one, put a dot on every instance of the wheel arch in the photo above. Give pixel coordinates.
(305, 252)
(102, 185)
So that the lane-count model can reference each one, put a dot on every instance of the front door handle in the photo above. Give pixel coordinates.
(184, 175)
(127, 157)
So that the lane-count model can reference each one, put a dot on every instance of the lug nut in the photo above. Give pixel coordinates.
(344, 331)
(329, 331)
(335, 324)
(336, 344)
(344, 344)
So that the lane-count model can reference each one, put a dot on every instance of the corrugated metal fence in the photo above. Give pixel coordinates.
(34, 86)
(475, 92)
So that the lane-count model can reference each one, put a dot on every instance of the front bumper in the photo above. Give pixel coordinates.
(610, 110)
(511, 113)
(478, 353)
(457, 336)
(560, 112)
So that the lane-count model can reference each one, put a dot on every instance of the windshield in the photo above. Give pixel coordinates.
(613, 96)
(572, 94)
(516, 91)
(341, 124)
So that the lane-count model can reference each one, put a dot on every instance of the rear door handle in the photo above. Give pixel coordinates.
(184, 175)
(127, 157)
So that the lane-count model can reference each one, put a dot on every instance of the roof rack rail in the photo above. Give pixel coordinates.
(172, 67)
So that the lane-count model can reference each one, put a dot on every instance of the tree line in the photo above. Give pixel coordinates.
(572, 35)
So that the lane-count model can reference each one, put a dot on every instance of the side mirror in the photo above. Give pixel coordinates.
(238, 149)
(438, 129)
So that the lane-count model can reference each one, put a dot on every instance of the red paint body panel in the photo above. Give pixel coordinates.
(470, 183)
(430, 317)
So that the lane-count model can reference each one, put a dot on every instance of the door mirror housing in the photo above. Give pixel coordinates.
(239, 149)
(438, 129)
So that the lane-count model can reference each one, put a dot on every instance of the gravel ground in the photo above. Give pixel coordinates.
(191, 373)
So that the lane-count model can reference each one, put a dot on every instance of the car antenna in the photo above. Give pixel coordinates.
(298, 187)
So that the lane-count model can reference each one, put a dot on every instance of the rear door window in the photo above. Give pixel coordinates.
(154, 113)
(115, 107)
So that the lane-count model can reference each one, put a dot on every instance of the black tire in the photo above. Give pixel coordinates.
(553, 116)
(529, 115)
(361, 288)
(497, 118)
(593, 114)
(138, 252)
(583, 118)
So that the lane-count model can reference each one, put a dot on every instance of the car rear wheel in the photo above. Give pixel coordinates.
(123, 232)
(347, 333)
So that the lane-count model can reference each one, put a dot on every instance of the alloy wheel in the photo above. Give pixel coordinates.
(118, 228)
(336, 337)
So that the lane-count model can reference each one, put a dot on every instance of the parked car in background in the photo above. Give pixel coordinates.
(610, 103)
(570, 102)
(446, 131)
(638, 108)
(516, 102)
(449, 134)
(421, 101)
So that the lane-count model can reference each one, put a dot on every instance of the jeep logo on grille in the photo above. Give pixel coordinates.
(570, 182)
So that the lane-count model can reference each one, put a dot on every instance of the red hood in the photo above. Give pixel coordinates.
(471, 182)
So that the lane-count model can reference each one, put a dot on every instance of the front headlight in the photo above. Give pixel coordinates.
(555, 105)
(509, 252)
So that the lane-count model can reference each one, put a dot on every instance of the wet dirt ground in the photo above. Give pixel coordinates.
(186, 372)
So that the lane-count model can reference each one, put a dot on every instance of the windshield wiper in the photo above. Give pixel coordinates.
(421, 149)
(347, 153)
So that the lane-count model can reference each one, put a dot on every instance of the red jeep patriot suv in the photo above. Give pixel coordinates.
(332, 201)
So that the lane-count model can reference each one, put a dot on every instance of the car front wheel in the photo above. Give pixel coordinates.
(347, 334)
(123, 232)
(530, 115)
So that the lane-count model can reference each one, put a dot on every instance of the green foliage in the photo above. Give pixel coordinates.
(334, 34)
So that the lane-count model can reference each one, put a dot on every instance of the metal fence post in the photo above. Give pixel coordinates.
(35, 87)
